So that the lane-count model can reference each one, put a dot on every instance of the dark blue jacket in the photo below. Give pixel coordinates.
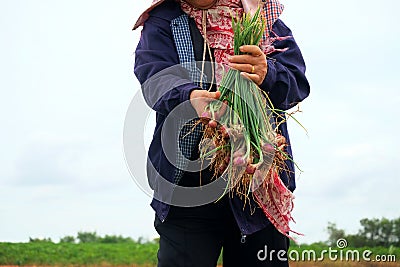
(285, 84)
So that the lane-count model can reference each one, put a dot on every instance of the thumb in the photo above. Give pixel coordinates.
(214, 95)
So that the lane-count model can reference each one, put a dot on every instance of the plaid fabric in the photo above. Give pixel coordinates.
(272, 11)
(189, 136)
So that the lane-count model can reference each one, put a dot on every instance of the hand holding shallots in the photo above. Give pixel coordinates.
(252, 63)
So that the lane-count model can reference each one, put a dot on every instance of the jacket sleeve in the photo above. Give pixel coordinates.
(285, 82)
(165, 83)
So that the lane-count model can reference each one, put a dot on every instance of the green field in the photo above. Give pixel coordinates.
(144, 254)
(90, 254)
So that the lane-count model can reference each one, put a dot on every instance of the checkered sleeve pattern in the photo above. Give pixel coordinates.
(272, 10)
(190, 134)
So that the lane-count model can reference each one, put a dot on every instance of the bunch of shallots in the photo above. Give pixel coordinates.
(243, 142)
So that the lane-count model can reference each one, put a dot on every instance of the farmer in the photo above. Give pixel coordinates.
(177, 36)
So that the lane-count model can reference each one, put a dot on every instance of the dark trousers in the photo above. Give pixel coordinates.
(194, 237)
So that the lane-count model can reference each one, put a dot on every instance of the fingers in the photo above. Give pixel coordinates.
(252, 54)
(252, 77)
(214, 95)
(251, 49)
(205, 95)
(245, 59)
(201, 98)
(249, 68)
(257, 76)
(253, 64)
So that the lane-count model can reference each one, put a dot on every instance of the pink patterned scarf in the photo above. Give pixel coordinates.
(218, 26)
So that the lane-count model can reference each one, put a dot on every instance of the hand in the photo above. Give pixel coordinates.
(201, 98)
(253, 64)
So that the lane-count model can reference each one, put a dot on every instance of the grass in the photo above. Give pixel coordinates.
(343, 264)
(90, 254)
(133, 254)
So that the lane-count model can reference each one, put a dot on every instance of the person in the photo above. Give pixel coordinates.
(177, 36)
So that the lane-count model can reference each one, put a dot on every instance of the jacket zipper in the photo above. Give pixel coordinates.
(243, 240)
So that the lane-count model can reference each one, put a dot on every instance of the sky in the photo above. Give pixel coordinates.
(66, 82)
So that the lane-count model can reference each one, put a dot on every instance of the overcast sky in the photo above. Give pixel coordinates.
(66, 81)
